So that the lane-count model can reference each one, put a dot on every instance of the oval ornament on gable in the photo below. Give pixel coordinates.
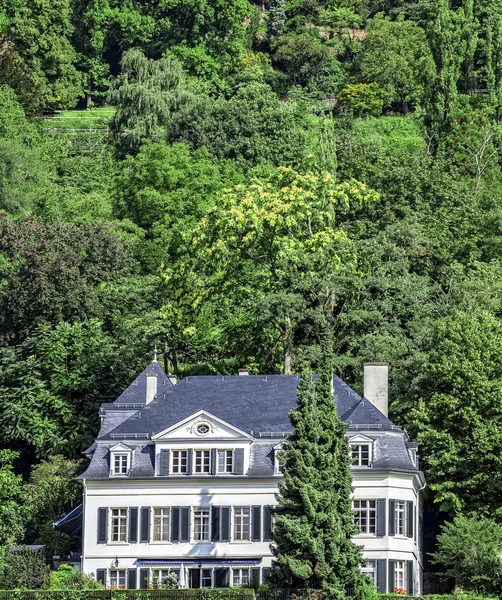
(203, 429)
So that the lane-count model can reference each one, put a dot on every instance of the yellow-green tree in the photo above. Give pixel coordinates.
(270, 248)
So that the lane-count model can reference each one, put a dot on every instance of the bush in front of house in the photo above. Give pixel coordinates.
(66, 578)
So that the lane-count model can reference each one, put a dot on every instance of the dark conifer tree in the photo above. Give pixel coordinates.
(314, 522)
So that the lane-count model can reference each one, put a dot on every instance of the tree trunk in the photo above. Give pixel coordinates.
(88, 95)
(287, 346)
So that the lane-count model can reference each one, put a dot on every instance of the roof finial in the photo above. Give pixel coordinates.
(155, 353)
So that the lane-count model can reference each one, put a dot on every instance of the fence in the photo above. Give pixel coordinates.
(170, 594)
(164, 594)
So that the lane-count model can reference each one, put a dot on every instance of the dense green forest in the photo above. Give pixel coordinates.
(248, 178)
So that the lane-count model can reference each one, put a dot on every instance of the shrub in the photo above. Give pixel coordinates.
(363, 99)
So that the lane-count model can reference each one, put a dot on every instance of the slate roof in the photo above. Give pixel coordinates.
(136, 392)
(256, 404)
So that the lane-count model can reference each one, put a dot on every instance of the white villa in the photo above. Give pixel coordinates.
(182, 476)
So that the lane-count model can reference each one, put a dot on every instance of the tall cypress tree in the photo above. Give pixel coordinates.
(314, 522)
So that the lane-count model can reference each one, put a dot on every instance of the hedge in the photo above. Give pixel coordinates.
(164, 594)
(454, 596)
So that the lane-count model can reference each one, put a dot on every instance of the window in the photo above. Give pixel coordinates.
(242, 523)
(203, 429)
(365, 515)
(161, 517)
(206, 579)
(360, 455)
(118, 524)
(117, 579)
(225, 461)
(371, 570)
(240, 577)
(120, 464)
(399, 579)
(399, 517)
(159, 577)
(201, 525)
(202, 461)
(179, 461)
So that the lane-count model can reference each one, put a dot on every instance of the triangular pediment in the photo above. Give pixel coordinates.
(199, 427)
(120, 448)
(360, 439)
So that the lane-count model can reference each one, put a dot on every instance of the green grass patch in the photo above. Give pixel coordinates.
(400, 133)
(95, 118)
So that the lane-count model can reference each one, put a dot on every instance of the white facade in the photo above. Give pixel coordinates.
(204, 513)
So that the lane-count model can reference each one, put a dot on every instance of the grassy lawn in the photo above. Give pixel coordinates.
(96, 118)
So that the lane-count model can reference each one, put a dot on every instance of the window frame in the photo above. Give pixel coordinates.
(121, 519)
(400, 573)
(227, 453)
(118, 455)
(370, 515)
(202, 459)
(400, 518)
(371, 571)
(161, 517)
(241, 517)
(118, 572)
(179, 459)
(210, 571)
(207, 513)
(357, 461)
(167, 570)
(240, 571)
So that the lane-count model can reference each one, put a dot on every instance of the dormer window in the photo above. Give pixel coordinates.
(120, 461)
(277, 462)
(121, 464)
(361, 455)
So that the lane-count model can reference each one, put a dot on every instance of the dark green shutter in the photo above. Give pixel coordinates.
(102, 525)
(256, 524)
(133, 525)
(185, 524)
(214, 461)
(267, 524)
(215, 523)
(175, 524)
(239, 461)
(409, 577)
(391, 577)
(381, 520)
(145, 525)
(409, 519)
(255, 576)
(189, 461)
(392, 517)
(225, 524)
(164, 462)
(222, 578)
(101, 576)
(131, 579)
(265, 575)
(382, 576)
(143, 579)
